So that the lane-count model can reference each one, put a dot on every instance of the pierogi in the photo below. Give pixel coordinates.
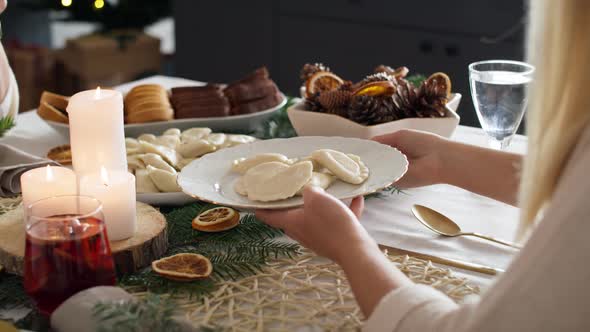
(273, 176)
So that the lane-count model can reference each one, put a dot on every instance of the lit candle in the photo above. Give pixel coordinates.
(44, 182)
(97, 136)
(116, 191)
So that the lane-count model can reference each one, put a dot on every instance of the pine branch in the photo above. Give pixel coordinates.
(279, 126)
(6, 123)
(151, 314)
(12, 293)
(391, 190)
(416, 79)
(147, 280)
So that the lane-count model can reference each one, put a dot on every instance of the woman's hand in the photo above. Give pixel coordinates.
(324, 224)
(424, 152)
(3, 4)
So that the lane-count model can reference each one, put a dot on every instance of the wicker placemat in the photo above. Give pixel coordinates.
(305, 292)
(299, 292)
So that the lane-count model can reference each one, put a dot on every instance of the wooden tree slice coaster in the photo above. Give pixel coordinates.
(149, 243)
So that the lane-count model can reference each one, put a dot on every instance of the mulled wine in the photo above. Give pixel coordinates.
(65, 254)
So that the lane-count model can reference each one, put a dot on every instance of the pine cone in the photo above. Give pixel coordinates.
(370, 110)
(335, 99)
(432, 99)
(405, 100)
(313, 105)
(309, 69)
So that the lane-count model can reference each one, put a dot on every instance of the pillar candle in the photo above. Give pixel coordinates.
(97, 135)
(116, 191)
(44, 182)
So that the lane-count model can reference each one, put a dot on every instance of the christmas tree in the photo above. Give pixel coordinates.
(110, 14)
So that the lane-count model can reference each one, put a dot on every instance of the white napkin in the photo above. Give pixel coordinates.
(76, 313)
(13, 163)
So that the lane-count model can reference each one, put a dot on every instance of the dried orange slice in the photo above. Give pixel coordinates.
(380, 88)
(322, 81)
(216, 220)
(183, 267)
(441, 80)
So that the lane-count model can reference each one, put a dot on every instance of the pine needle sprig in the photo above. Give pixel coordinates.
(147, 280)
(279, 125)
(391, 190)
(154, 313)
(6, 123)
(416, 79)
(12, 293)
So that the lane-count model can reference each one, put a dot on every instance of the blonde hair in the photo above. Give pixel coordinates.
(559, 107)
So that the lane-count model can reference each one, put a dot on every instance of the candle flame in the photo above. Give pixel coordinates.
(48, 173)
(104, 175)
(97, 93)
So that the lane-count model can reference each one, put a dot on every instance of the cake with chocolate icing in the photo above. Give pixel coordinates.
(253, 93)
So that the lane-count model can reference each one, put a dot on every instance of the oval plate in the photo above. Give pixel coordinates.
(210, 178)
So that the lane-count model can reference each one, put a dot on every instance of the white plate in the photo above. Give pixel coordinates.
(210, 179)
(234, 123)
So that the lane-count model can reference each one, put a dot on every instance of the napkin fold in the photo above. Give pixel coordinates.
(13, 163)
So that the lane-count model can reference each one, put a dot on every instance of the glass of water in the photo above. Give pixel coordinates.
(498, 89)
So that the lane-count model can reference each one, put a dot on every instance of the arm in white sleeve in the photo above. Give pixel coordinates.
(544, 289)
(9, 106)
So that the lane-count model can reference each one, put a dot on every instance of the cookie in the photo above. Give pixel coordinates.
(61, 154)
(50, 113)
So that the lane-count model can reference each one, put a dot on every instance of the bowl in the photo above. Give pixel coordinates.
(307, 123)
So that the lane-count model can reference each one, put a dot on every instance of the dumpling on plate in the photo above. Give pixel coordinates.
(217, 139)
(195, 148)
(320, 180)
(164, 181)
(150, 138)
(233, 140)
(348, 168)
(168, 154)
(132, 146)
(144, 183)
(172, 132)
(242, 165)
(195, 133)
(134, 162)
(156, 161)
(274, 181)
(170, 141)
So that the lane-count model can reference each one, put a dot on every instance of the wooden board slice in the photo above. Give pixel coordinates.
(149, 243)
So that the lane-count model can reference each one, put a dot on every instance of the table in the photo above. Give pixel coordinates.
(388, 219)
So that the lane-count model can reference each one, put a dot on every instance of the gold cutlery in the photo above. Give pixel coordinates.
(441, 224)
(444, 261)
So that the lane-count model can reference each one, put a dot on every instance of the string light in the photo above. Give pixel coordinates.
(66, 3)
(98, 4)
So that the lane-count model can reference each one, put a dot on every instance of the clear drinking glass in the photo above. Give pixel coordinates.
(498, 90)
(66, 250)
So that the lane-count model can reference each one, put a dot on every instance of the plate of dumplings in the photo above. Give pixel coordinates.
(272, 174)
(156, 160)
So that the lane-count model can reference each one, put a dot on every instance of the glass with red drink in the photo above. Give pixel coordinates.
(66, 251)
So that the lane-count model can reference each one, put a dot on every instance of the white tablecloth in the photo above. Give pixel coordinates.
(388, 219)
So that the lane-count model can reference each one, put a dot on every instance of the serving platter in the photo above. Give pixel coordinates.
(210, 179)
(233, 123)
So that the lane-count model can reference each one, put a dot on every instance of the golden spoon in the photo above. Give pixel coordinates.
(441, 224)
